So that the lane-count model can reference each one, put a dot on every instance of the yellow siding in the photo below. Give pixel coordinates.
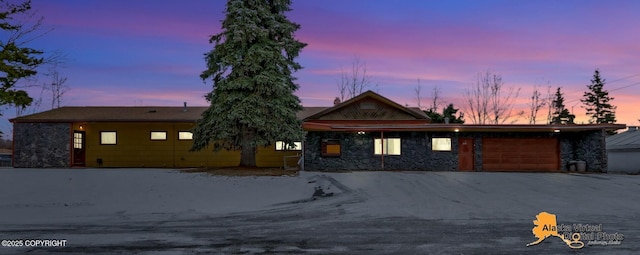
(269, 157)
(135, 148)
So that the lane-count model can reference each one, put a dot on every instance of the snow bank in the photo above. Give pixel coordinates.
(77, 195)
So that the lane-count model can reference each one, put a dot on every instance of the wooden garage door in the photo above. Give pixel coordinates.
(520, 154)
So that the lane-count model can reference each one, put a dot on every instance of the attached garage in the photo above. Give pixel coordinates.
(520, 154)
(623, 151)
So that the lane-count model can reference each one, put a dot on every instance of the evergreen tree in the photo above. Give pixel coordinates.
(434, 116)
(596, 101)
(16, 61)
(448, 112)
(252, 102)
(561, 114)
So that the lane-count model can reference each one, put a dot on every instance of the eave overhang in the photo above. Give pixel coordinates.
(427, 127)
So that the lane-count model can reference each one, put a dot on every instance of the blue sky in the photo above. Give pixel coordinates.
(150, 52)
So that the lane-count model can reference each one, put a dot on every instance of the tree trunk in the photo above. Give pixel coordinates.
(248, 152)
(248, 156)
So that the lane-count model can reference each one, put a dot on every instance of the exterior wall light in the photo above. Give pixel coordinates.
(361, 132)
(456, 130)
(556, 130)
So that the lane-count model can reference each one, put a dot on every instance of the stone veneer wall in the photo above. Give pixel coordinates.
(586, 146)
(41, 144)
(357, 152)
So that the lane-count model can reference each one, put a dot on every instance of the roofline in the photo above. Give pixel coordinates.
(100, 120)
(315, 126)
(363, 95)
(622, 148)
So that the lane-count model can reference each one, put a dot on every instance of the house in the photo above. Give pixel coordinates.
(124, 137)
(371, 132)
(623, 150)
(367, 132)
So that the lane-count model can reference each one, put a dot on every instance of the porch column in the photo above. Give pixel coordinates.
(382, 149)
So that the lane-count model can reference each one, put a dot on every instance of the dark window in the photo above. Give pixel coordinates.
(367, 106)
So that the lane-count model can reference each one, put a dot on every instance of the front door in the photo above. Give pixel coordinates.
(465, 154)
(78, 148)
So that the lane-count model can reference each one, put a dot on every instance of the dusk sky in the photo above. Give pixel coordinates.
(150, 52)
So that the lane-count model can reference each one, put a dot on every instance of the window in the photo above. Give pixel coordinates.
(158, 135)
(296, 146)
(77, 140)
(185, 135)
(330, 148)
(390, 146)
(108, 137)
(441, 144)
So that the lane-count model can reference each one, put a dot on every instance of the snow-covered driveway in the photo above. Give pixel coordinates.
(156, 210)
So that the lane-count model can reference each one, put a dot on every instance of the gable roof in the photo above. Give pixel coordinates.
(627, 140)
(129, 114)
(414, 112)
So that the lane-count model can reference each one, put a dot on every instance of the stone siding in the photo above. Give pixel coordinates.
(357, 152)
(585, 146)
(42, 144)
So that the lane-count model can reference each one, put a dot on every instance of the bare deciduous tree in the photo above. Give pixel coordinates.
(549, 103)
(356, 82)
(536, 102)
(488, 101)
(58, 88)
(435, 98)
(418, 92)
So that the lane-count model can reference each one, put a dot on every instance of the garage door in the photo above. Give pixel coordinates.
(520, 154)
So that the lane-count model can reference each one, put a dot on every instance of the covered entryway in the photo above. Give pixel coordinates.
(520, 154)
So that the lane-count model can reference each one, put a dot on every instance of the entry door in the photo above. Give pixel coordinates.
(78, 148)
(465, 154)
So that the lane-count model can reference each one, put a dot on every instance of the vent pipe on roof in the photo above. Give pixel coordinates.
(185, 107)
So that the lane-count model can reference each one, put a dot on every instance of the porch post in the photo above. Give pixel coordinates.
(382, 150)
(301, 159)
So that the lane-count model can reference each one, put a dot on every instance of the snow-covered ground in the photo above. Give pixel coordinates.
(86, 195)
(166, 211)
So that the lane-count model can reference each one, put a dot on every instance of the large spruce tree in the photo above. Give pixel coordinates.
(561, 114)
(596, 101)
(252, 102)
